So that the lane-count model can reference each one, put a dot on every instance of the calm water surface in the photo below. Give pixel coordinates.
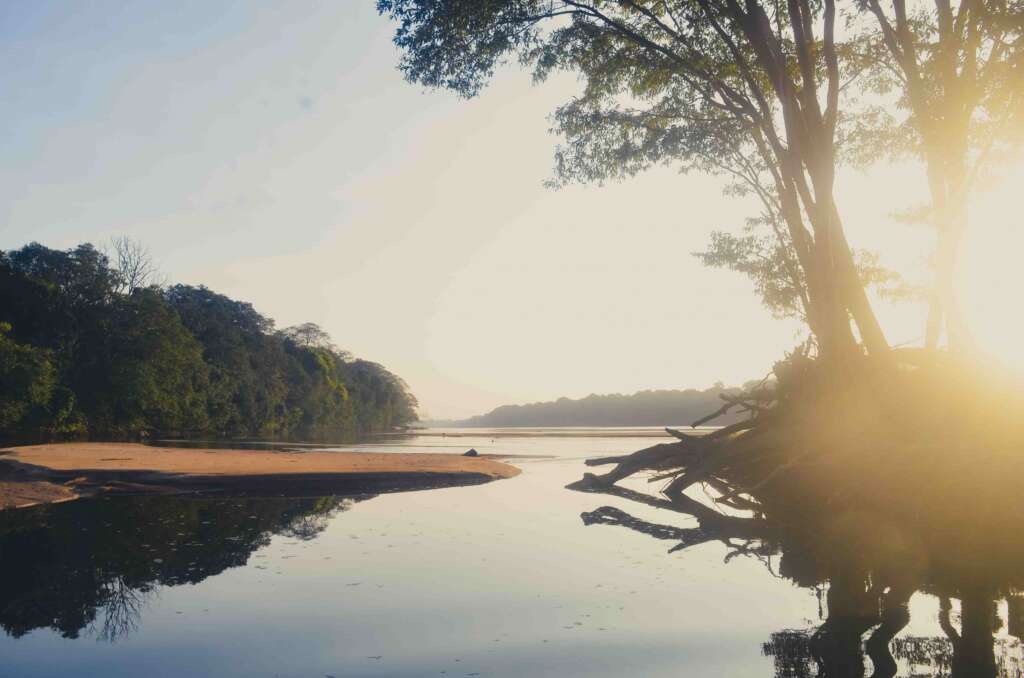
(502, 579)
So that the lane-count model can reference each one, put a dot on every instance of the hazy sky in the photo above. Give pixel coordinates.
(272, 152)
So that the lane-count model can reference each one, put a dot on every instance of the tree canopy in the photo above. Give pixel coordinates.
(84, 351)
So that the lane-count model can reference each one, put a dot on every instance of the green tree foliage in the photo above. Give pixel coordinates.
(27, 380)
(382, 398)
(81, 351)
(765, 257)
(154, 370)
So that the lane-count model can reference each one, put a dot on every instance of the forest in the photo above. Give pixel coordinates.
(643, 408)
(91, 345)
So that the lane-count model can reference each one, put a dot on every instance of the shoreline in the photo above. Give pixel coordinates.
(45, 474)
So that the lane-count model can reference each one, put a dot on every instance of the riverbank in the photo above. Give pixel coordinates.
(36, 474)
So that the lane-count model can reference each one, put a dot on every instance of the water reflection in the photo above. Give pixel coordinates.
(491, 579)
(865, 568)
(91, 566)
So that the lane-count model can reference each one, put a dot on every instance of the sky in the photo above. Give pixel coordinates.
(273, 152)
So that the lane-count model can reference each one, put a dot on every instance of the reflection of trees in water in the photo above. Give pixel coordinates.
(307, 526)
(868, 569)
(122, 609)
(933, 656)
(791, 651)
(95, 564)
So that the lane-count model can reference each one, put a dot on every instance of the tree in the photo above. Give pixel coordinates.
(82, 350)
(156, 378)
(958, 73)
(134, 265)
(749, 90)
(247, 363)
(767, 262)
(60, 300)
(383, 399)
(27, 380)
(309, 335)
(82, 275)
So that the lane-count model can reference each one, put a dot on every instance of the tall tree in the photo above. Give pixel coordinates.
(309, 335)
(154, 376)
(748, 89)
(134, 264)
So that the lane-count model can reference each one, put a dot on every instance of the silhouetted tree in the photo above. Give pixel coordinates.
(134, 265)
(309, 335)
(744, 89)
(767, 260)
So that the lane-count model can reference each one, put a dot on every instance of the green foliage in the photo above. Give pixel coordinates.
(382, 399)
(765, 257)
(82, 352)
(766, 262)
(27, 380)
(155, 373)
(650, 72)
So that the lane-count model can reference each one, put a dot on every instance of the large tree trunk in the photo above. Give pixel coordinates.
(844, 293)
(805, 163)
(856, 297)
(826, 309)
(835, 338)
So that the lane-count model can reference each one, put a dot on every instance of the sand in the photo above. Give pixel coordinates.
(36, 474)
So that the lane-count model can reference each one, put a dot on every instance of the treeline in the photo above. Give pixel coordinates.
(88, 346)
(644, 408)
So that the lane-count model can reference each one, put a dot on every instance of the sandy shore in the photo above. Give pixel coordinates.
(36, 474)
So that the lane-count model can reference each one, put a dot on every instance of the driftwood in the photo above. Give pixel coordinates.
(724, 409)
(656, 457)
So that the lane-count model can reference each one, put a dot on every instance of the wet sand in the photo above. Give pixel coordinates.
(37, 474)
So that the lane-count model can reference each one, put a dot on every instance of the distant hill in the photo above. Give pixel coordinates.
(644, 408)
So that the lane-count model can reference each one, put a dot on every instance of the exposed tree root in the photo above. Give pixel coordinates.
(919, 434)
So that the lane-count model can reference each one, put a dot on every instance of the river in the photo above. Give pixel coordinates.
(501, 579)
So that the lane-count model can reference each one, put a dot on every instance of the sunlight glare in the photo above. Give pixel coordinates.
(991, 274)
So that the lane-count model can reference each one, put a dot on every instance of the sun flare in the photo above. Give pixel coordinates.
(991, 275)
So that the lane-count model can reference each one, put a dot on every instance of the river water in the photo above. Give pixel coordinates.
(501, 579)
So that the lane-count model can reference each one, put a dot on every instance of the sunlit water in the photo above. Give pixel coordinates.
(501, 579)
